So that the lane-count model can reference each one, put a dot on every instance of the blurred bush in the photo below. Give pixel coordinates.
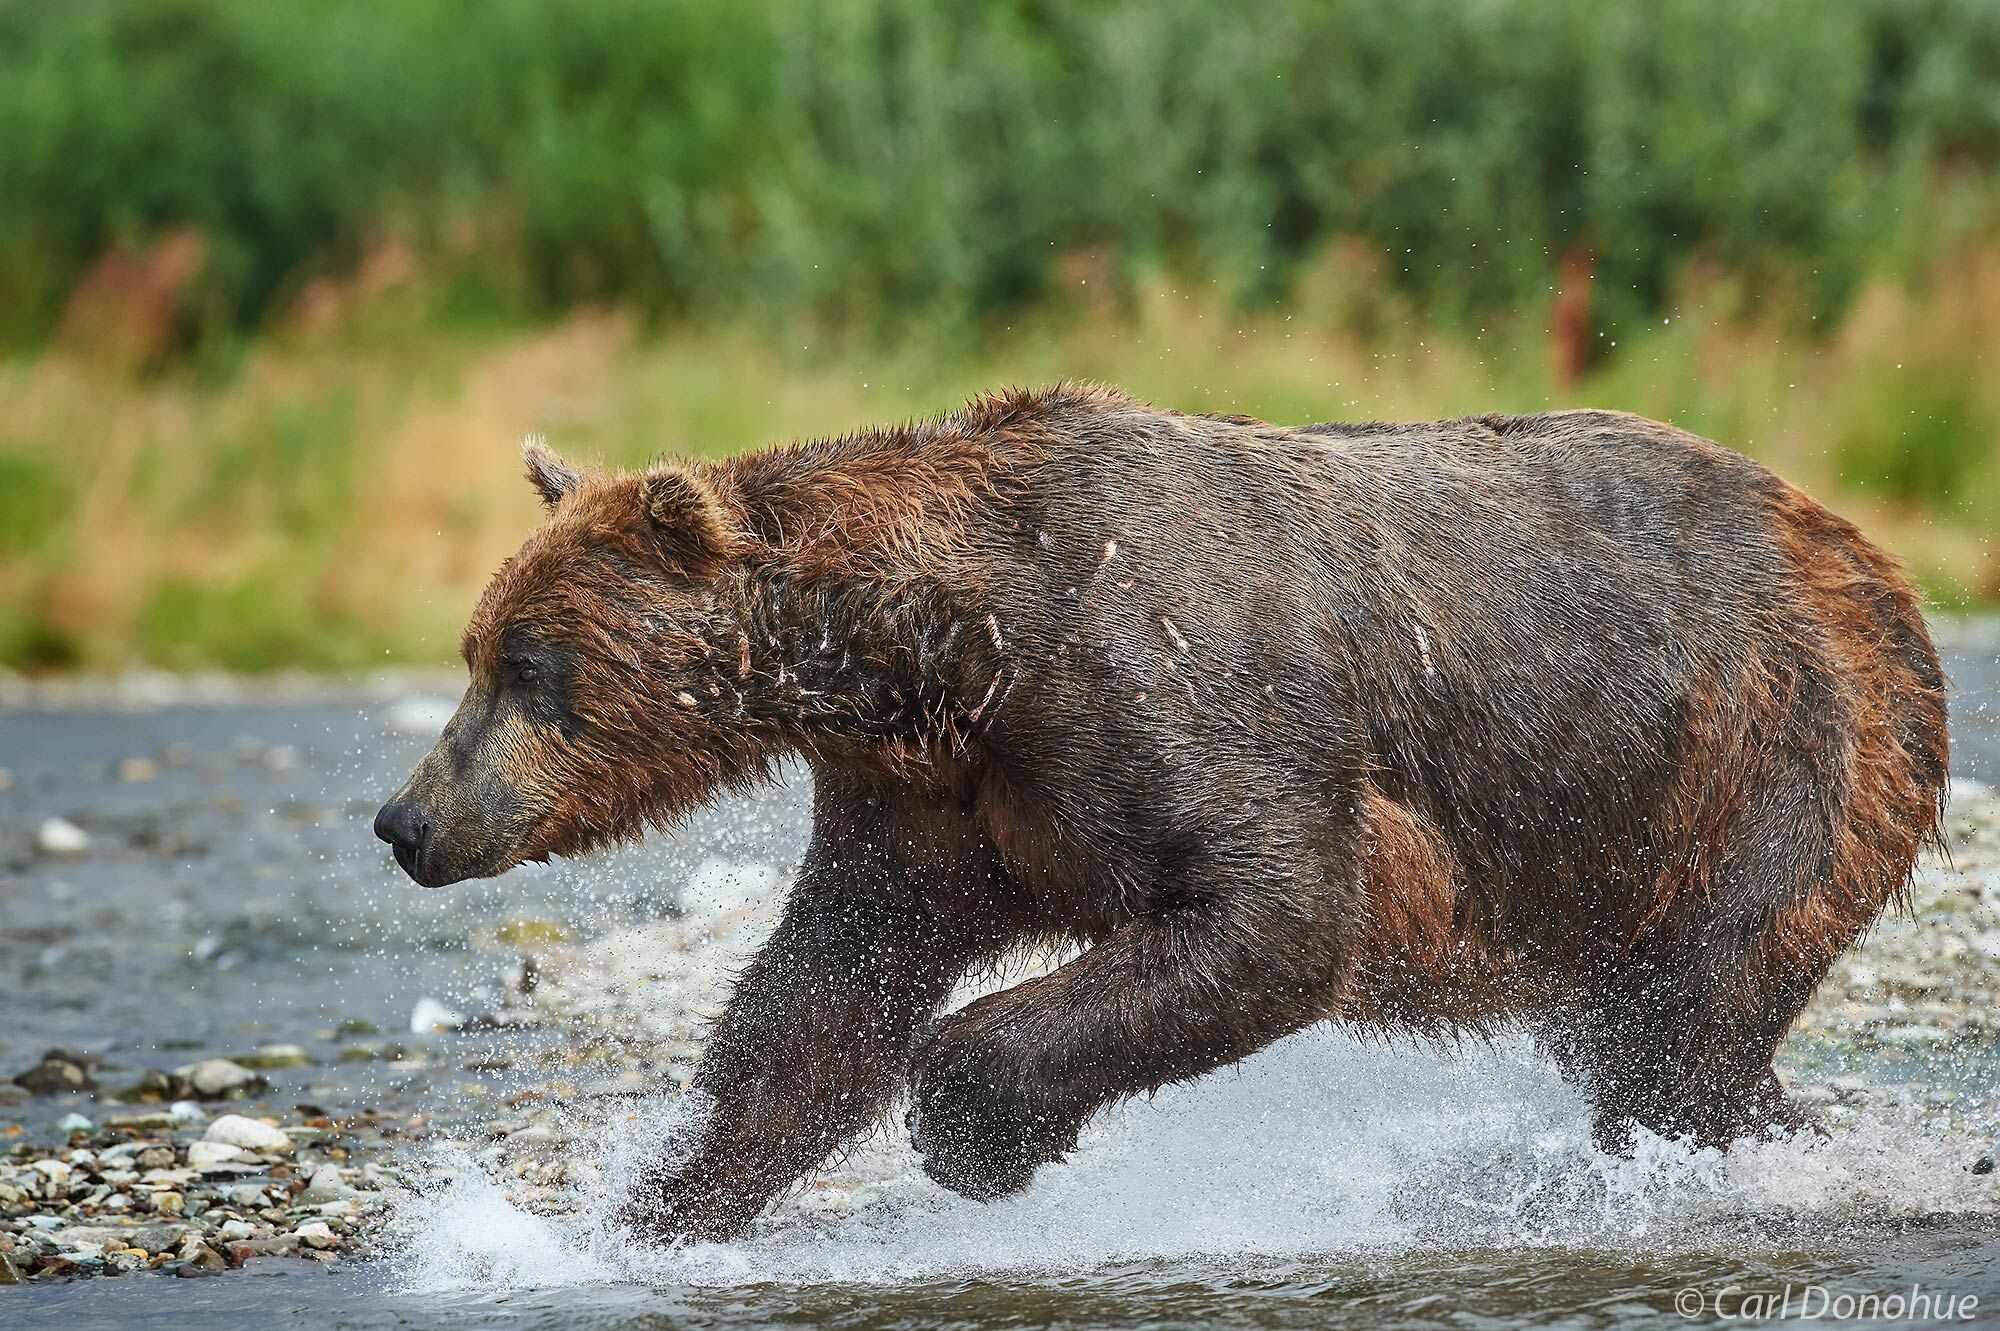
(864, 160)
(410, 231)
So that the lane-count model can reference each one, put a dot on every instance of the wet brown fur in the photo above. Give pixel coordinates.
(1572, 720)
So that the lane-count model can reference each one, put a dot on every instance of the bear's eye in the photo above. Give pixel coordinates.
(520, 670)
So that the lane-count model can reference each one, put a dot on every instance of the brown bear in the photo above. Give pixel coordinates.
(1572, 721)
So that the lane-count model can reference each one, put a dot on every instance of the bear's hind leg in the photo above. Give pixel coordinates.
(1673, 1043)
(1680, 1031)
(1806, 826)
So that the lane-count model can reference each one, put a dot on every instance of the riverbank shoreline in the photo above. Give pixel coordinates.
(208, 1169)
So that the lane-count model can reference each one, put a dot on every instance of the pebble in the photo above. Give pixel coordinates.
(73, 1122)
(218, 1078)
(59, 1073)
(270, 1056)
(325, 1185)
(317, 1234)
(60, 836)
(199, 1255)
(206, 1154)
(248, 1133)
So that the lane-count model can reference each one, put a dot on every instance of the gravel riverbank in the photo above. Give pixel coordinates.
(216, 1164)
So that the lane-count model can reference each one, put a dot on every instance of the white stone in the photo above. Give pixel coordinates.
(214, 1077)
(60, 836)
(317, 1234)
(203, 1154)
(324, 1186)
(248, 1133)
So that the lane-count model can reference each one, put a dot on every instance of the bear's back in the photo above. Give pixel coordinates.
(1511, 618)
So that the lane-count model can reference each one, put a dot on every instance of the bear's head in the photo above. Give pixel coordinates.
(595, 706)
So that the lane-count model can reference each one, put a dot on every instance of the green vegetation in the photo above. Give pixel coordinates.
(873, 160)
(1916, 439)
(338, 500)
(282, 284)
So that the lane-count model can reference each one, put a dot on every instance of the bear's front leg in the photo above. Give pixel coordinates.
(1004, 1085)
(982, 1116)
(817, 1034)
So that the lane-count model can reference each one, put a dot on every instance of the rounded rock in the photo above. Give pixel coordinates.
(215, 1078)
(248, 1133)
(60, 836)
(317, 1234)
(203, 1154)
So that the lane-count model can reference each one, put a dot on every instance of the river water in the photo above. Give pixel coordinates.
(233, 896)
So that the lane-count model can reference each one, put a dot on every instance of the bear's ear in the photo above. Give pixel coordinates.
(550, 475)
(689, 522)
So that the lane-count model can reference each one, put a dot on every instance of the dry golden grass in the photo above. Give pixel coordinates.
(342, 496)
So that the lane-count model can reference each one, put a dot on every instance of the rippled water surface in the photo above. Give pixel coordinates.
(237, 898)
(1473, 1289)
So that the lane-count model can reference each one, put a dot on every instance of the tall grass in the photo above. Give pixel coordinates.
(368, 245)
(340, 499)
(873, 161)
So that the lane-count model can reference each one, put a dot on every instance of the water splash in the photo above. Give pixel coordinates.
(1321, 1145)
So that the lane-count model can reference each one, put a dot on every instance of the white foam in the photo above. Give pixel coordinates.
(1321, 1145)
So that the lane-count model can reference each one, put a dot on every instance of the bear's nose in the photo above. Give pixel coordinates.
(403, 825)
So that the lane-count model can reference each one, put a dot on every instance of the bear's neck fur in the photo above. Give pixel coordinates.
(850, 624)
(834, 665)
